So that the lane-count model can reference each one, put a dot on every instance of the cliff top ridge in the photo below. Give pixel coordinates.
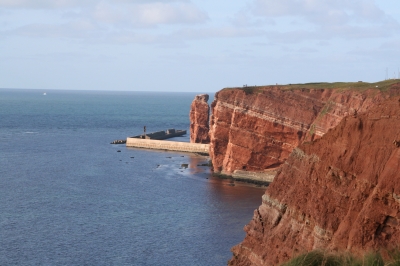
(359, 86)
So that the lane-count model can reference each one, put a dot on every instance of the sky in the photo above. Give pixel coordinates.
(195, 45)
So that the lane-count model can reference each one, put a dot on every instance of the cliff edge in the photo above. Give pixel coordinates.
(256, 128)
(339, 193)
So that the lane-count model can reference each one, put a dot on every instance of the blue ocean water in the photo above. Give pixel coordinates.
(67, 197)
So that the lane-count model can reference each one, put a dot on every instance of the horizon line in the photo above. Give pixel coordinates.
(45, 90)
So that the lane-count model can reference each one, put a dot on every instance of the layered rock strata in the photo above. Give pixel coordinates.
(200, 119)
(255, 129)
(338, 193)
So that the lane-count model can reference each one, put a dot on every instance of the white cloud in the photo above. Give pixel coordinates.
(179, 37)
(41, 4)
(77, 29)
(392, 45)
(246, 19)
(302, 20)
(213, 33)
(101, 20)
(149, 14)
(163, 13)
(320, 11)
(50, 4)
(117, 14)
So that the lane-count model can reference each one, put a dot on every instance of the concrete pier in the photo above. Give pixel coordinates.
(167, 145)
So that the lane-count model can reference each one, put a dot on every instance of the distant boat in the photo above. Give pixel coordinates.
(44, 94)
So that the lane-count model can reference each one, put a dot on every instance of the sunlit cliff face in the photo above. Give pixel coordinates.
(338, 193)
(256, 129)
(200, 120)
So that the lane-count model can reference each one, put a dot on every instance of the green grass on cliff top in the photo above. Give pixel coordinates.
(321, 258)
(360, 86)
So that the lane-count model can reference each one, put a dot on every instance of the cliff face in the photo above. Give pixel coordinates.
(340, 193)
(199, 119)
(256, 129)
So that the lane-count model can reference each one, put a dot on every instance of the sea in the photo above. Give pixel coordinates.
(69, 197)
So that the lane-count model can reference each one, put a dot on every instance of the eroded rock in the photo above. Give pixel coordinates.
(338, 193)
(255, 129)
(200, 120)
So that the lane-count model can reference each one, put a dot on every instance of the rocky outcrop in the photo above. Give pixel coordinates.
(339, 193)
(199, 119)
(255, 129)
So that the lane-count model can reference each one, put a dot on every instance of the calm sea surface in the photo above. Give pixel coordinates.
(67, 197)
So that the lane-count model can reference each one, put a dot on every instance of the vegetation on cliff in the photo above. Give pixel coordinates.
(355, 86)
(321, 258)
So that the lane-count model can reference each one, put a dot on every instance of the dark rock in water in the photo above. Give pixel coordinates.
(132, 157)
(168, 157)
(118, 151)
(185, 165)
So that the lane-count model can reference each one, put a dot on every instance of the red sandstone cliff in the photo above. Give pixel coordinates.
(340, 193)
(255, 129)
(199, 119)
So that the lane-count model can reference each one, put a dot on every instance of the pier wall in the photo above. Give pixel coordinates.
(167, 145)
(267, 176)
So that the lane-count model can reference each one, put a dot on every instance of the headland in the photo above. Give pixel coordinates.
(335, 150)
(254, 129)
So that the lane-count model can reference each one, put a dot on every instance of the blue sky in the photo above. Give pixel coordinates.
(193, 45)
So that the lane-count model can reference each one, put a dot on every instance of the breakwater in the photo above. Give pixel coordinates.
(167, 145)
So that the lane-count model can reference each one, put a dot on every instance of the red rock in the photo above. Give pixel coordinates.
(338, 193)
(200, 119)
(256, 129)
